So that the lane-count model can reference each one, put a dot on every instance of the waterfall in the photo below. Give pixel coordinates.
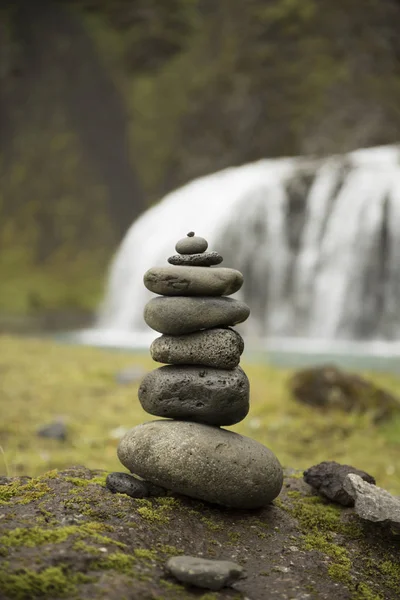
(318, 242)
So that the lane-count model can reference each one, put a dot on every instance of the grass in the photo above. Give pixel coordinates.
(42, 380)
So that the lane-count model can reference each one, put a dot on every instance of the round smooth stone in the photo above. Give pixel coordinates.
(193, 281)
(219, 348)
(203, 462)
(179, 315)
(212, 396)
(191, 245)
(207, 259)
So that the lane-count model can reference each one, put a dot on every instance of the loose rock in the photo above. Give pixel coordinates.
(56, 430)
(212, 396)
(193, 281)
(192, 244)
(204, 573)
(330, 387)
(196, 460)
(373, 503)
(207, 259)
(180, 315)
(123, 483)
(328, 478)
(219, 348)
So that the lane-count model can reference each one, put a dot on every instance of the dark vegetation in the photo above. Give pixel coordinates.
(105, 106)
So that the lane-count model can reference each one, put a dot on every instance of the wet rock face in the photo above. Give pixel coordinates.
(203, 462)
(218, 348)
(180, 315)
(193, 281)
(329, 477)
(212, 396)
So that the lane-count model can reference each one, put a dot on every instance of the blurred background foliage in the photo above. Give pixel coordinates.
(106, 106)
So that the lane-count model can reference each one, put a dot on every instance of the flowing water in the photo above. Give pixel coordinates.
(318, 242)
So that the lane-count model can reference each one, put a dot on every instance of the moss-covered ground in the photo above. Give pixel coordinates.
(42, 381)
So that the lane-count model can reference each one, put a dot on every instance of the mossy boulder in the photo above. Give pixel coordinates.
(65, 535)
(329, 387)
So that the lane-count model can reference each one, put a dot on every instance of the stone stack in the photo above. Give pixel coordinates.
(201, 389)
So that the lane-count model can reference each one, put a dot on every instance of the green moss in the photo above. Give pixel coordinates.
(169, 550)
(37, 536)
(391, 573)
(145, 553)
(155, 511)
(23, 493)
(234, 537)
(364, 592)
(53, 582)
(152, 515)
(117, 561)
(81, 482)
(211, 524)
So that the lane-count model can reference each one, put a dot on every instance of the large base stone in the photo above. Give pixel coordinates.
(211, 464)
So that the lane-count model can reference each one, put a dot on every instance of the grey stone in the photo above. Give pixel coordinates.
(179, 315)
(207, 259)
(203, 462)
(212, 396)
(373, 503)
(328, 478)
(123, 483)
(219, 348)
(132, 486)
(203, 572)
(56, 430)
(191, 245)
(193, 281)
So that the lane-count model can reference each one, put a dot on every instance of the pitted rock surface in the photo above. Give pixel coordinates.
(212, 396)
(193, 281)
(218, 348)
(179, 315)
(207, 259)
(203, 462)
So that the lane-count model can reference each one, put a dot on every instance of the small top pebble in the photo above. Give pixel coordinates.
(191, 244)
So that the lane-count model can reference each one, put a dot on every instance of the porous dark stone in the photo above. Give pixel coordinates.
(205, 395)
(123, 483)
(207, 259)
(193, 281)
(328, 479)
(203, 572)
(329, 387)
(218, 348)
(193, 244)
(56, 430)
(203, 462)
(374, 504)
(179, 315)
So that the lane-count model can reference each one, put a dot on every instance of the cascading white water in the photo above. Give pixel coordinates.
(318, 243)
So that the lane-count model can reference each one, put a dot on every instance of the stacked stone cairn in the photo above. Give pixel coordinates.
(201, 388)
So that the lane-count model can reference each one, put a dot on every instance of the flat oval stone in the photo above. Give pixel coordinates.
(219, 348)
(191, 245)
(193, 281)
(204, 572)
(203, 462)
(212, 396)
(179, 315)
(196, 260)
